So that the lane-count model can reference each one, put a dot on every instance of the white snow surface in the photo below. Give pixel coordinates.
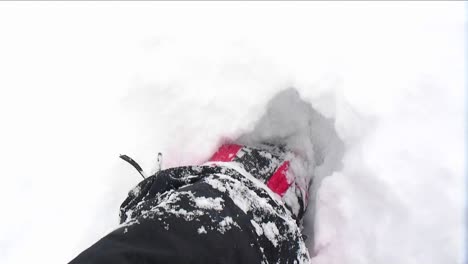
(371, 94)
(271, 232)
(209, 203)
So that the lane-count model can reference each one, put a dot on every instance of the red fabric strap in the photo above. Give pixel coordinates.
(226, 153)
(278, 182)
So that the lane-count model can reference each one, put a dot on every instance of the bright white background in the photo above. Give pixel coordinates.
(82, 82)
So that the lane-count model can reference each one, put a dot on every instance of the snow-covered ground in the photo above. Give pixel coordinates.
(372, 92)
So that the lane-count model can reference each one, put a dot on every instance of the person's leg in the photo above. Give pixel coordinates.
(215, 213)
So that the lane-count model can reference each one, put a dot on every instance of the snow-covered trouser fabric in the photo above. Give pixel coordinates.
(286, 173)
(201, 214)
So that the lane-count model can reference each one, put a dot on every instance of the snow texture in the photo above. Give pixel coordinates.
(202, 230)
(370, 94)
(209, 203)
(271, 232)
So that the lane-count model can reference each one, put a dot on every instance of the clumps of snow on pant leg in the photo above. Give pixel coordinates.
(135, 191)
(215, 184)
(258, 228)
(250, 202)
(209, 203)
(201, 230)
(226, 224)
(168, 205)
(271, 232)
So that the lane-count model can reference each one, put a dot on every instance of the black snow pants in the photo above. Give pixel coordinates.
(201, 214)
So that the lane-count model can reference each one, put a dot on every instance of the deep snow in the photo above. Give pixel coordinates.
(372, 93)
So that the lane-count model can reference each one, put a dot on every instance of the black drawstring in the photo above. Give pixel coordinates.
(134, 164)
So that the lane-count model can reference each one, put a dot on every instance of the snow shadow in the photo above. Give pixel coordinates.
(290, 120)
